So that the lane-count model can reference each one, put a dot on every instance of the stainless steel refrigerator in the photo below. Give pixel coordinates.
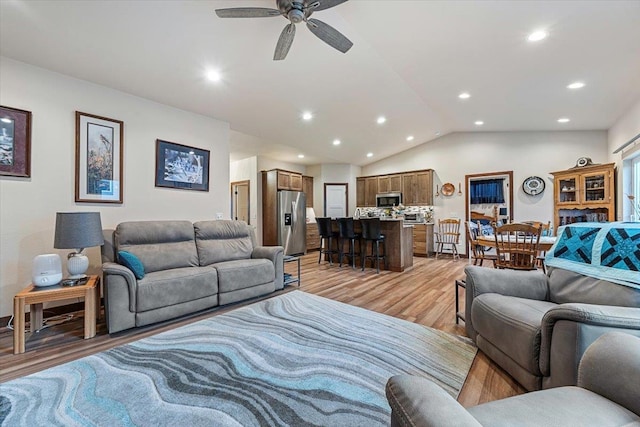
(292, 222)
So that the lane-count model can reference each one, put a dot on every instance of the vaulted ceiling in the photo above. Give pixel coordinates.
(409, 63)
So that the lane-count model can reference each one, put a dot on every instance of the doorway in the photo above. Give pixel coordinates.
(336, 201)
(240, 201)
(489, 197)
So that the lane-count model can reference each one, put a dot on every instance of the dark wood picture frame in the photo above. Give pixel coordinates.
(99, 159)
(15, 142)
(180, 166)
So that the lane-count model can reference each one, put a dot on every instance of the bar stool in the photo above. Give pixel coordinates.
(371, 233)
(326, 238)
(347, 233)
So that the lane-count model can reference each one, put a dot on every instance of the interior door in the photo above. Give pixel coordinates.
(240, 201)
(336, 200)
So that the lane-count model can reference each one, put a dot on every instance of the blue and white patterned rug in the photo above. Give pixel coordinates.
(292, 360)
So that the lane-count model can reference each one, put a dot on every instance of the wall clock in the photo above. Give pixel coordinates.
(583, 161)
(533, 186)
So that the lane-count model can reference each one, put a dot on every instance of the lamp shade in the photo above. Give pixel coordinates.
(77, 230)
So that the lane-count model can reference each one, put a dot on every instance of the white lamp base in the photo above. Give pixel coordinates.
(77, 265)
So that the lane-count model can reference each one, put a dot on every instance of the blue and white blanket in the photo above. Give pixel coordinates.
(608, 251)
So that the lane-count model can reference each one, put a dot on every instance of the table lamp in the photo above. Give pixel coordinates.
(77, 230)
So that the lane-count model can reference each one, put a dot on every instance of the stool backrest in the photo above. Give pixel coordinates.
(370, 228)
(324, 226)
(345, 225)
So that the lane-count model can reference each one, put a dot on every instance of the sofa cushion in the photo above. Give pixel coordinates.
(160, 245)
(178, 285)
(244, 273)
(219, 241)
(511, 324)
(568, 286)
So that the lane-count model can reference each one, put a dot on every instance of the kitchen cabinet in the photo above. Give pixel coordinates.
(422, 239)
(416, 188)
(584, 194)
(307, 188)
(289, 180)
(313, 237)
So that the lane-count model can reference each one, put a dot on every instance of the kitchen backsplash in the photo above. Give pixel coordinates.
(426, 210)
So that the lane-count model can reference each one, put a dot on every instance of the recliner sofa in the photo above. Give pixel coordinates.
(537, 327)
(187, 268)
(607, 395)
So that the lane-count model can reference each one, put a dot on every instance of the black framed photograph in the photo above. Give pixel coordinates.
(15, 142)
(99, 144)
(181, 166)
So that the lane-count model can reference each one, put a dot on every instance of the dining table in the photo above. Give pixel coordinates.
(546, 242)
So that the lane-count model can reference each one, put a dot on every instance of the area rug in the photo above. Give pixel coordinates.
(293, 360)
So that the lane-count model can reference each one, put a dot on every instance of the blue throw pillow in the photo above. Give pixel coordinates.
(132, 262)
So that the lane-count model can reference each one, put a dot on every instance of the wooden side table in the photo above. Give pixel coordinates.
(35, 297)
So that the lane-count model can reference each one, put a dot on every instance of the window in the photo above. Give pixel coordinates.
(486, 191)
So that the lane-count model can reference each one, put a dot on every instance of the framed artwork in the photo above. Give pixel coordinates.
(180, 166)
(99, 143)
(15, 142)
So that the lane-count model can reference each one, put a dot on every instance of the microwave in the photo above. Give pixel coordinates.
(388, 200)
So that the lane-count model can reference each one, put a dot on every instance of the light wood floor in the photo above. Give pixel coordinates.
(424, 295)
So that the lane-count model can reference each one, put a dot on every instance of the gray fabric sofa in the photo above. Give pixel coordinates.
(537, 326)
(607, 395)
(188, 267)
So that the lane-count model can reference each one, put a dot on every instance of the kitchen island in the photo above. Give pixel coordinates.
(398, 243)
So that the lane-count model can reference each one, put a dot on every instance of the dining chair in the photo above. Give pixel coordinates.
(545, 231)
(477, 251)
(517, 246)
(448, 234)
(326, 238)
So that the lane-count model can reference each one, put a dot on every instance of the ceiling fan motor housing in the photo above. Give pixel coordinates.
(295, 15)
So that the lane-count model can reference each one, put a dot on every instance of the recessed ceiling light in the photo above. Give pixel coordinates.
(410, 138)
(478, 123)
(464, 95)
(369, 154)
(576, 85)
(381, 120)
(301, 156)
(307, 115)
(536, 36)
(563, 120)
(336, 142)
(5, 119)
(214, 75)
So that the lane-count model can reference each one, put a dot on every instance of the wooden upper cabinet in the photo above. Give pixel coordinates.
(416, 187)
(360, 192)
(307, 187)
(370, 190)
(289, 180)
(424, 188)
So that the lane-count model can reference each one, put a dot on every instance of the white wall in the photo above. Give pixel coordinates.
(525, 153)
(28, 205)
(625, 128)
(333, 173)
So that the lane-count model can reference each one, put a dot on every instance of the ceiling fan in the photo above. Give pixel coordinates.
(295, 11)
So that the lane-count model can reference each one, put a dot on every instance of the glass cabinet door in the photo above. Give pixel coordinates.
(594, 188)
(567, 190)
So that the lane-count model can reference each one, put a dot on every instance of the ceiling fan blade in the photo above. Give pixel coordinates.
(284, 42)
(324, 4)
(329, 35)
(247, 12)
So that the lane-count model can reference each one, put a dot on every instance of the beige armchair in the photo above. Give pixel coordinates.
(608, 394)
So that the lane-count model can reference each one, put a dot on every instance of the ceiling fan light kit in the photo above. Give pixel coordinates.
(295, 12)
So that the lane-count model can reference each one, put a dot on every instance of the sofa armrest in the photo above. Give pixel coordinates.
(416, 401)
(568, 329)
(275, 255)
(609, 367)
(523, 284)
(114, 269)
